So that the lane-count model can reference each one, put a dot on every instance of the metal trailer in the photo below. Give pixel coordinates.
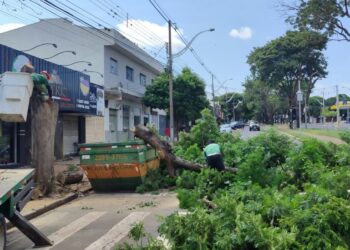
(16, 189)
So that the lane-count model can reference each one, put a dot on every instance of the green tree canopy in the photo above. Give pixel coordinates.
(262, 101)
(315, 106)
(229, 102)
(328, 16)
(282, 62)
(188, 95)
(332, 100)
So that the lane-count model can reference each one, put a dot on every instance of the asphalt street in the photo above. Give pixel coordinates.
(98, 221)
(246, 134)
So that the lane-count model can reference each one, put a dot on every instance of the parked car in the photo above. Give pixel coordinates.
(225, 128)
(238, 125)
(254, 126)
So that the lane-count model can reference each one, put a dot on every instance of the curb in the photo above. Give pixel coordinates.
(52, 206)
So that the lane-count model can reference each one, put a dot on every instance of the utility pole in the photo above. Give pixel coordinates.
(305, 112)
(233, 112)
(337, 104)
(305, 115)
(212, 89)
(170, 69)
(323, 120)
(299, 99)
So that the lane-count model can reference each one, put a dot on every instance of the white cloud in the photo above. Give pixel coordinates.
(147, 34)
(10, 26)
(243, 33)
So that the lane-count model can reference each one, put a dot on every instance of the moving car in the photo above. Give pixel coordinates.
(225, 128)
(237, 125)
(254, 126)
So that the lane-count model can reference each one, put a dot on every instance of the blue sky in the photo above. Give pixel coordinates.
(239, 27)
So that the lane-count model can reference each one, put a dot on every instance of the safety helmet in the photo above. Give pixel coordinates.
(46, 74)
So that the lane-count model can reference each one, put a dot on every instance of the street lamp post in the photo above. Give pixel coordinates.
(170, 70)
(88, 63)
(59, 53)
(233, 109)
(321, 103)
(92, 71)
(299, 99)
(39, 45)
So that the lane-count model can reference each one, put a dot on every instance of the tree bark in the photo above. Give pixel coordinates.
(44, 119)
(165, 152)
(70, 177)
(209, 203)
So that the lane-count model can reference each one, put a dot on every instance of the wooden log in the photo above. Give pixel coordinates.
(165, 152)
(70, 177)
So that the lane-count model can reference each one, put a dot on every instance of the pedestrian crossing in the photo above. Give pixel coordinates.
(14, 235)
(107, 241)
(118, 232)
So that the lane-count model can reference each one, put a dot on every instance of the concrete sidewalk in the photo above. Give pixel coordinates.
(61, 194)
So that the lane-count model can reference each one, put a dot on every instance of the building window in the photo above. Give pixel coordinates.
(113, 66)
(126, 118)
(142, 79)
(129, 73)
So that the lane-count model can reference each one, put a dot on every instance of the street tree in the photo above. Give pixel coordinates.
(330, 17)
(232, 106)
(315, 106)
(262, 101)
(333, 99)
(188, 96)
(282, 62)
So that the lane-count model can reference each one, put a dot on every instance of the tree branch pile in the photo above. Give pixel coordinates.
(165, 152)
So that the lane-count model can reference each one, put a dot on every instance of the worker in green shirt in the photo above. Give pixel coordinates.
(213, 156)
(41, 82)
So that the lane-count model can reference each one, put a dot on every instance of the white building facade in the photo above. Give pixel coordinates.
(116, 63)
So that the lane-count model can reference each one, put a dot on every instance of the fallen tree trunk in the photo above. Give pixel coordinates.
(70, 177)
(165, 152)
(209, 203)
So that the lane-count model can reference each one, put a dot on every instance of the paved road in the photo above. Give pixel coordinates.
(246, 134)
(98, 221)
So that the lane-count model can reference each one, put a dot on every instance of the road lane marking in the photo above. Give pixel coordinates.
(65, 232)
(118, 232)
(15, 235)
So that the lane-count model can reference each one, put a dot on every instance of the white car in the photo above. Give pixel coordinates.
(254, 126)
(225, 128)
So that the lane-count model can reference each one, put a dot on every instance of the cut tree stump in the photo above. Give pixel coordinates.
(43, 121)
(165, 152)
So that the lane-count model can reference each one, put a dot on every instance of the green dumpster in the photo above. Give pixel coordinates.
(117, 166)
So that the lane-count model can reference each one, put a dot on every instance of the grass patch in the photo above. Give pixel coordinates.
(303, 133)
(325, 132)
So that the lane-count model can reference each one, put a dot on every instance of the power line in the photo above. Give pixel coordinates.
(50, 23)
(159, 10)
(92, 30)
(148, 40)
(144, 35)
(142, 27)
(98, 31)
(166, 17)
